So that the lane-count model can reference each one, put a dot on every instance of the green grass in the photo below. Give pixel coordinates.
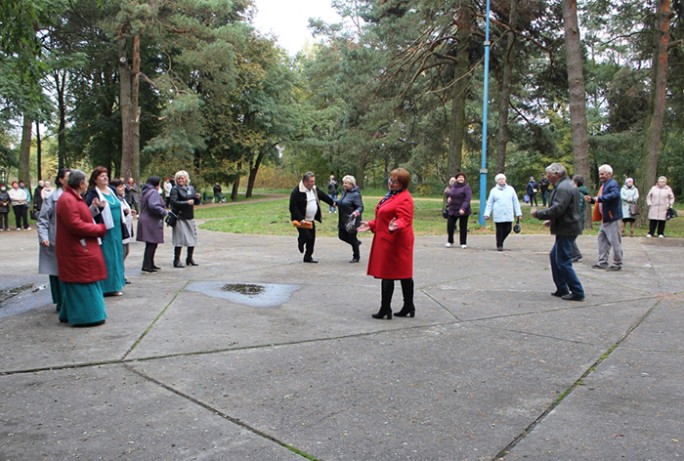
(266, 215)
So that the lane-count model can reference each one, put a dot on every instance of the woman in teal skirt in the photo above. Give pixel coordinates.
(79, 258)
(109, 212)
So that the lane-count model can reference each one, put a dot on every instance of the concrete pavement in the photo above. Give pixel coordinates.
(196, 364)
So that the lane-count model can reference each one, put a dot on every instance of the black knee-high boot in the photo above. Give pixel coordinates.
(176, 257)
(407, 291)
(385, 300)
(188, 260)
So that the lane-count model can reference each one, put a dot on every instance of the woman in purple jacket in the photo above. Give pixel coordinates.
(458, 196)
(151, 221)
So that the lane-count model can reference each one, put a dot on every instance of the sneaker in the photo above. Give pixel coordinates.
(661, 236)
(600, 266)
(464, 246)
(648, 236)
(28, 228)
(448, 245)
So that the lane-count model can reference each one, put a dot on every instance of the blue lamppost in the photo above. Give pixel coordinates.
(485, 97)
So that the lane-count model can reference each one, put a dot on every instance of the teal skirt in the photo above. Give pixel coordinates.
(82, 303)
(112, 250)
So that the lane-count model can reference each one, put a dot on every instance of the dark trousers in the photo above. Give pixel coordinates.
(564, 275)
(544, 193)
(148, 258)
(20, 215)
(388, 291)
(4, 220)
(653, 223)
(502, 231)
(533, 200)
(307, 240)
(351, 239)
(462, 227)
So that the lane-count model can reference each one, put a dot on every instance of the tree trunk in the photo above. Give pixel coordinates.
(254, 170)
(578, 109)
(39, 153)
(502, 138)
(24, 173)
(236, 184)
(648, 165)
(135, 109)
(125, 105)
(60, 85)
(459, 89)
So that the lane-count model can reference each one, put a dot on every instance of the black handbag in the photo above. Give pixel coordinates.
(633, 209)
(171, 219)
(671, 213)
(350, 224)
(445, 209)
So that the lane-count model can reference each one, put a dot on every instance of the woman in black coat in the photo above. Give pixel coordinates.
(350, 204)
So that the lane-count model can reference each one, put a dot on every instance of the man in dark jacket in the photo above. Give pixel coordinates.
(608, 210)
(564, 218)
(305, 208)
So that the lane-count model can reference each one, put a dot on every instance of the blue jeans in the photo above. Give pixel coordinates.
(564, 275)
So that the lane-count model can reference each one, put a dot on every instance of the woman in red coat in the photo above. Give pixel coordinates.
(79, 257)
(391, 254)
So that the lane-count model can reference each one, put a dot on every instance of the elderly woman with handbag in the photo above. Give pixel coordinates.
(659, 200)
(350, 207)
(151, 222)
(183, 200)
(629, 195)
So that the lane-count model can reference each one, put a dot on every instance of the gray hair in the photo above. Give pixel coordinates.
(182, 174)
(556, 168)
(76, 177)
(499, 176)
(606, 169)
(308, 175)
(350, 179)
(663, 178)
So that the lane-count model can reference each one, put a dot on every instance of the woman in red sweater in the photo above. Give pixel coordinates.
(391, 254)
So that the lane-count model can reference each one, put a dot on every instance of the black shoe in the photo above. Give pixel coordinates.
(499, 248)
(157, 268)
(599, 266)
(190, 262)
(560, 294)
(573, 297)
(406, 312)
(382, 315)
(576, 258)
(300, 245)
(128, 282)
(354, 260)
(312, 261)
(615, 268)
(144, 269)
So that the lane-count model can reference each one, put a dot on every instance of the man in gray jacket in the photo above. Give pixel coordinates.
(564, 218)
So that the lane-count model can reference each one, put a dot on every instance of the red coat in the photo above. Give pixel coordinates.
(391, 255)
(79, 257)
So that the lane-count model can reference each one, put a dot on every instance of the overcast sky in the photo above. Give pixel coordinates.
(288, 20)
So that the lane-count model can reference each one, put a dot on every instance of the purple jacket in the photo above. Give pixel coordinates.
(151, 219)
(460, 195)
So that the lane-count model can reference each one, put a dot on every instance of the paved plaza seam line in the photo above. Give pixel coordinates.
(221, 414)
(580, 381)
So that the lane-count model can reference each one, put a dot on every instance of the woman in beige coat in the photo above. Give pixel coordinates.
(659, 199)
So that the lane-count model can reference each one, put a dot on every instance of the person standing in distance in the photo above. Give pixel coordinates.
(305, 208)
(564, 218)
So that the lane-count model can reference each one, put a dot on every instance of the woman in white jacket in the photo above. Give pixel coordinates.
(659, 199)
(503, 207)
